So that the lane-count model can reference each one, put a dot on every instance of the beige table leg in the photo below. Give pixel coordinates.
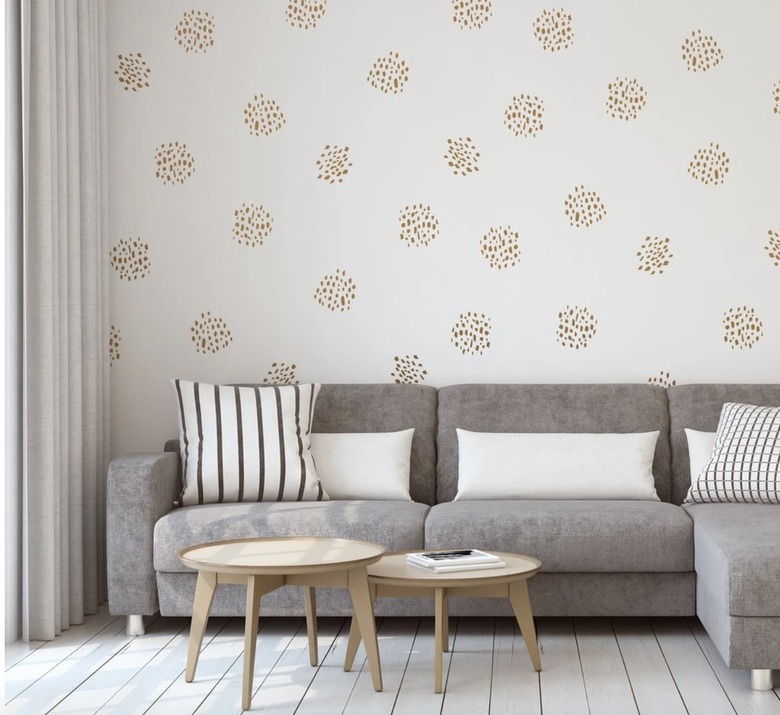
(311, 622)
(445, 624)
(250, 638)
(204, 595)
(364, 613)
(353, 642)
(521, 605)
(438, 638)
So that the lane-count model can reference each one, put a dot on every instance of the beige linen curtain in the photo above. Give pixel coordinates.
(65, 419)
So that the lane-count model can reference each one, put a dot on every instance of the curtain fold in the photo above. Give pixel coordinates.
(65, 419)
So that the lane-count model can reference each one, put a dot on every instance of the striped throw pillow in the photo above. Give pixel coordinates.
(246, 444)
(745, 463)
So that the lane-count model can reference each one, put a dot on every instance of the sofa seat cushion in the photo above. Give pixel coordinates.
(570, 536)
(395, 524)
(738, 556)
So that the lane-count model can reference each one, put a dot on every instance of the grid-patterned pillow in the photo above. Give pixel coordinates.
(245, 444)
(745, 463)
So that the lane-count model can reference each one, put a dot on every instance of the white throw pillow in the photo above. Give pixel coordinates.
(364, 465)
(495, 465)
(700, 446)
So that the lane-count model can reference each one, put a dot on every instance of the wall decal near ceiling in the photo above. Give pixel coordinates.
(500, 247)
(114, 339)
(773, 247)
(554, 30)
(664, 379)
(133, 73)
(709, 165)
(654, 255)
(281, 374)
(336, 291)
(252, 224)
(776, 97)
(130, 259)
(408, 370)
(701, 52)
(742, 327)
(576, 327)
(195, 31)
(625, 98)
(175, 163)
(462, 156)
(210, 334)
(471, 334)
(523, 117)
(389, 74)
(471, 14)
(583, 208)
(305, 14)
(418, 225)
(333, 164)
(263, 116)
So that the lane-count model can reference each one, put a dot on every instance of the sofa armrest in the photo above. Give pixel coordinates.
(141, 489)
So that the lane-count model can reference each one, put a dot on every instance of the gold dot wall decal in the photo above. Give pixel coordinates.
(462, 156)
(471, 334)
(471, 14)
(195, 31)
(281, 374)
(554, 30)
(333, 164)
(773, 247)
(663, 379)
(524, 116)
(701, 52)
(305, 14)
(130, 259)
(500, 247)
(776, 97)
(742, 327)
(654, 255)
(418, 225)
(709, 165)
(263, 116)
(210, 334)
(576, 327)
(625, 98)
(336, 291)
(252, 224)
(175, 164)
(583, 208)
(114, 339)
(409, 370)
(133, 73)
(389, 74)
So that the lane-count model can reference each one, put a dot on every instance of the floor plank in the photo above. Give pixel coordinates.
(515, 686)
(18, 651)
(562, 684)
(471, 668)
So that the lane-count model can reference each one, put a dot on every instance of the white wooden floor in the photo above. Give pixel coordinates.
(597, 665)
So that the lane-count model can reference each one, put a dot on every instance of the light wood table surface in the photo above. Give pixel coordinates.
(267, 564)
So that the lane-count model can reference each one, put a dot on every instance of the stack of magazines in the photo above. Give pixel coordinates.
(456, 560)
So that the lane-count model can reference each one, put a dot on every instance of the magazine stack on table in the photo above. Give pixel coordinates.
(455, 560)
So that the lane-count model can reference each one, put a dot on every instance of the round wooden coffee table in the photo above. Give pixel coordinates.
(393, 577)
(266, 564)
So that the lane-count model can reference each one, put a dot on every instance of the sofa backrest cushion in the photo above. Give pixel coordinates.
(550, 408)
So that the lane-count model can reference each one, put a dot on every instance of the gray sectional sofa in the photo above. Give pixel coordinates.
(600, 557)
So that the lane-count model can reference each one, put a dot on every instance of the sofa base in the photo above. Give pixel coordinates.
(761, 679)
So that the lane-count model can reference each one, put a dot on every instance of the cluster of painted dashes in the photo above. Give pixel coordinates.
(773, 247)
(701, 52)
(174, 163)
(210, 334)
(576, 327)
(709, 165)
(418, 225)
(664, 379)
(408, 370)
(195, 31)
(133, 73)
(776, 96)
(500, 247)
(524, 116)
(471, 14)
(583, 208)
(281, 374)
(462, 156)
(336, 291)
(305, 14)
(471, 334)
(263, 116)
(625, 97)
(252, 224)
(389, 74)
(742, 327)
(553, 29)
(130, 258)
(333, 164)
(654, 255)
(114, 339)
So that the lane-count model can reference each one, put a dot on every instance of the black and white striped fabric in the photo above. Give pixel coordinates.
(745, 462)
(246, 444)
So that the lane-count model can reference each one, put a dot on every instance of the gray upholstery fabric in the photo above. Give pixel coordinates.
(737, 550)
(570, 536)
(698, 407)
(397, 525)
(550, 408)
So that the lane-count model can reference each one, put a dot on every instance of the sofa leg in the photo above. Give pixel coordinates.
(761, 679)
(135, 627)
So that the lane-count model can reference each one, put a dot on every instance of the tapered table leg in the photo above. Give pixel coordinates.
(521, 605)
(204, 595)
(250, 639)
(445, 624)
(438, 638)
(364, 613)
(352, 643)
(311, 622)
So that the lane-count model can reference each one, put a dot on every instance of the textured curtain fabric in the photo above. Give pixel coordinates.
(65, 313)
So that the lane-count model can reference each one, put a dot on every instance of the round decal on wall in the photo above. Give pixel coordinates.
(130, 259)
(133, 73)
(625, 98)
(576, 327)
(174, 163)
(195, 31)
(742, 327)
(333, 164)
(709, 165)
(281, 374)
(663, 379)
(583, 208)
(462, 156)
(418, 225)
(336, 291)
(500, 247)
(554, 31)
(252, 224)
(114, 339)
(654, 255)
(471, 334)
(773, 247)
(408, 370)
(305, 14)
(471, 14)
(701, 52)
(263, 116)
(524, 116)
(389, 74)
(210, 334)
